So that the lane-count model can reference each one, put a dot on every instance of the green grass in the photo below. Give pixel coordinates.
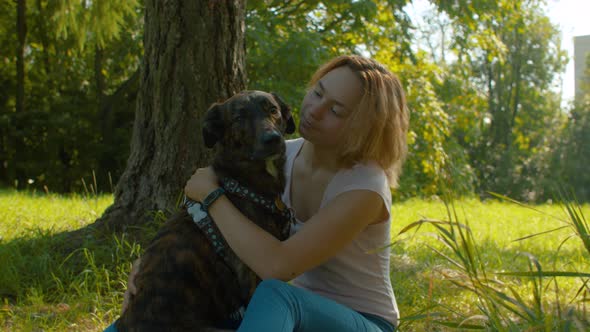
(42, 288)
(427, 283)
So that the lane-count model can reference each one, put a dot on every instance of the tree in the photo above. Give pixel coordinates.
(58, 140)
(518, 111)
(21, 30)
(571, 153)
(506, 53)
(194, 55)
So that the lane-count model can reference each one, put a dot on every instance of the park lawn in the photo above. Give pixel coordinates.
(42, 289)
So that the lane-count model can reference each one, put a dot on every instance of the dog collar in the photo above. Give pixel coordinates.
(199, 212)
(275, 205)
(202, 219)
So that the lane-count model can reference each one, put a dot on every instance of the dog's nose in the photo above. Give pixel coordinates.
(271, 138)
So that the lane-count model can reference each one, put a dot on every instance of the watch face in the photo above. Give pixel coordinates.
(196, 211)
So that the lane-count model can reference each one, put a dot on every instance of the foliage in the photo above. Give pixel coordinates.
(97, 22)
(501, 47)
(576, 151)
(570, 150)
(435, 159)
(480, 95)
(72, 104)
(287, 42)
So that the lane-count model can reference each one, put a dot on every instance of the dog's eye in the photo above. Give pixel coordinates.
(274, 110)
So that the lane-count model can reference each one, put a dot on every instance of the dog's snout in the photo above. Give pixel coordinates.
(271, 138)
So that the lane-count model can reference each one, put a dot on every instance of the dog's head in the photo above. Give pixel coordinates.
(250, 124)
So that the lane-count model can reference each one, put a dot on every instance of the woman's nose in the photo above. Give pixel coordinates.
(318, 110)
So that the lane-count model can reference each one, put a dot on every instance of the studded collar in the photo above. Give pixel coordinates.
(203, 220)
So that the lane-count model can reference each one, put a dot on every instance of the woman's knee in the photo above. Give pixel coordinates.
(278, 294)
(272, 286)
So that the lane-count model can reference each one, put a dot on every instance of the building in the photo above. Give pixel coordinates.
(581, 51)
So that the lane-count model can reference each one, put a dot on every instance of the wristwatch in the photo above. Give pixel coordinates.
(211, 198)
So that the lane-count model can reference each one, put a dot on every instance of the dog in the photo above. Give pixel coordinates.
(189, 279)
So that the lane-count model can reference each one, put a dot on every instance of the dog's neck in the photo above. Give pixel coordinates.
(253, 174)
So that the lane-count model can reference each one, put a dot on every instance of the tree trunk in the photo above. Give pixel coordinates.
(194, 56)
(42, 28)
(21, 30)
(99, 79)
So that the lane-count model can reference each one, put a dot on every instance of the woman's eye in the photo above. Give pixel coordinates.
(337, 111)
(317, 93)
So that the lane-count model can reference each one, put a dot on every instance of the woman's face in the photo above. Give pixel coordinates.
(327, 105)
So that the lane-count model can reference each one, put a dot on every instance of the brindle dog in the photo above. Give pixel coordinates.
(182, 283)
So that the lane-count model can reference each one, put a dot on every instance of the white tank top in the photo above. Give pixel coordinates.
(358, 276)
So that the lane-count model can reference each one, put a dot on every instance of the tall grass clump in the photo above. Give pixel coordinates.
(525, 298)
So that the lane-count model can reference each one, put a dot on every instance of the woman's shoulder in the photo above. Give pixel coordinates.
(363, 172)
(363, 176)
(368, 176)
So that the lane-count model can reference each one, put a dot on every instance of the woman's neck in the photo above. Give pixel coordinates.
(320, 158)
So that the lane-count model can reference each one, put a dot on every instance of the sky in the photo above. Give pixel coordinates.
(571, 16)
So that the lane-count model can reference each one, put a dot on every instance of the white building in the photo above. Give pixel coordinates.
(581, 51)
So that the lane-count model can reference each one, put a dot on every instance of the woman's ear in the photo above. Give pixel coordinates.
(285, 113)
(213, 127)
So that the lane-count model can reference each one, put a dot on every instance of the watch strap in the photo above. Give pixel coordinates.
(211, 198)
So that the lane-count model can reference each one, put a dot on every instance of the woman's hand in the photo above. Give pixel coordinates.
(131, 289)
(201, 183)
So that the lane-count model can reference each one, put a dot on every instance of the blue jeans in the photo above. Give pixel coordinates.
(277, 306)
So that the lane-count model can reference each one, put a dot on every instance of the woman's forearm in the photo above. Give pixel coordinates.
(325, 233)
(261, 251)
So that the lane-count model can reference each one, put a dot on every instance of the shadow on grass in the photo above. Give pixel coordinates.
(68, 280)
(51, 282)
(51, 261)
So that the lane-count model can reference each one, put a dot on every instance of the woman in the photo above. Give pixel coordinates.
(353, 126)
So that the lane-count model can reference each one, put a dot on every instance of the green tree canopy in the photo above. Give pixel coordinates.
(481, 93)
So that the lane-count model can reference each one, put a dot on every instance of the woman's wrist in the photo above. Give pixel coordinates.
(201, 184)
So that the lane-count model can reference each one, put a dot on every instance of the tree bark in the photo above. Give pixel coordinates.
(194, 55)
(21, 30)
(99, 78)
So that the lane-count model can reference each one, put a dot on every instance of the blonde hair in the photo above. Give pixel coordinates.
(376, 129)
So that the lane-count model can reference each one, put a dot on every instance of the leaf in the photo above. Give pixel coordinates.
(545, 274)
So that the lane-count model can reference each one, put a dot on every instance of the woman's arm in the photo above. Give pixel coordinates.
(321, 237)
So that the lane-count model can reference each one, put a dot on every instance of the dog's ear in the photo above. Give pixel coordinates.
(285, 113)
(213, 125)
